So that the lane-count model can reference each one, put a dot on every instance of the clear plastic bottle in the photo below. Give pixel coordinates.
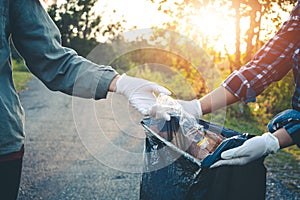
(191, 136)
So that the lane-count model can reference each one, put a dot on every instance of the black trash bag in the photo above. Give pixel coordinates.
(170, 173)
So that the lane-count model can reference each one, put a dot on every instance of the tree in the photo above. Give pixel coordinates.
(80, 25)
(254, 10)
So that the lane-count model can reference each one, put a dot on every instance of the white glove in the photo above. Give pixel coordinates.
(163, 112)
(251, 150)
(139, 92)
(192, 107)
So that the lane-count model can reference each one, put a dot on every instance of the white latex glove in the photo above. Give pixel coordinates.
(251, 150)
(163, 112)
(139, 92)
(192, 107)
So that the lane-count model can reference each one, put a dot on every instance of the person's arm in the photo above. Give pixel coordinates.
(255, 148)
(37, 39)
(217, 99)
(271, 63)
(113, 84)
(284, 138)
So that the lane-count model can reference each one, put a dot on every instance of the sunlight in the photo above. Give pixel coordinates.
(212, 26)
(137, 13)
(217, 27)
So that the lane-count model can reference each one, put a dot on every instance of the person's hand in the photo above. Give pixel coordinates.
(193, 108)
(251, 150)
(139, 92)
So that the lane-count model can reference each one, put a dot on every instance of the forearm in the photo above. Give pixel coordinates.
(221, 97)
(283, 137)
(217, 99)
(38, 41)
(113, 85)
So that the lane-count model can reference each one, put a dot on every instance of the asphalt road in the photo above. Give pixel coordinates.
(80, 149)
(85, 149)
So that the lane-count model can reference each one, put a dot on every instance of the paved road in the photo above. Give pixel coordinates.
(64, 135)
(85, 149)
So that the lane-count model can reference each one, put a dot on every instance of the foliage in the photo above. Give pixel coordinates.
(21, 75)
(179, 86)
(274, 99)
(250, 126)
(172, 54)
(19, 66)
(80, 26)
(253, 12)
(15, 54)
(20, 80)
(167, 62)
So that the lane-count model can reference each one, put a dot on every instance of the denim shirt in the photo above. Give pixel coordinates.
(38, 40)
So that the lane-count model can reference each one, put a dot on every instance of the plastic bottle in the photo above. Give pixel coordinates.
(191, 136)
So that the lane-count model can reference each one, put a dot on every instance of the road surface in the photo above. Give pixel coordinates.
(59, 163)
(85, 149)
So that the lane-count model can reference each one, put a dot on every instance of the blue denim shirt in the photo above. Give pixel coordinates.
(38, 41)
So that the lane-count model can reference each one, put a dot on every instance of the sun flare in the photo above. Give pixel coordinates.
(212, 26)
(217, 28)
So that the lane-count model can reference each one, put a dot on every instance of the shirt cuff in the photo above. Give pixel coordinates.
(103, 82)
(240, 87)
(290, 121)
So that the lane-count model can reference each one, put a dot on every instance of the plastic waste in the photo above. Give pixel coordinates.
(171, 173)
(190, 136)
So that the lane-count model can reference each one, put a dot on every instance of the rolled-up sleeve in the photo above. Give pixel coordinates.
(38, 40)
(290, 121)
(271, 63)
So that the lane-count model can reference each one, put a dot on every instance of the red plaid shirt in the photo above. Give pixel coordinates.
(271, 63)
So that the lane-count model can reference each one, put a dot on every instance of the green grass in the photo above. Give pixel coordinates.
(21, 75)
(20, 80)
(244, 126)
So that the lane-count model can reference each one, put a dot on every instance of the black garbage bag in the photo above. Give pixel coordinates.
(171, 173)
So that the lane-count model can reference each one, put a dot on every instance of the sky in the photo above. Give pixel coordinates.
(144, 14)
(140, 13)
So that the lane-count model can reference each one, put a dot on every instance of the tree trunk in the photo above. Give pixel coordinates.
(236, 6)
(256, 8)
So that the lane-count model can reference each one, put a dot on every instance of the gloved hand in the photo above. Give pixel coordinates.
(192, 107)
(163, 112)
(251, 150)
(139, 92)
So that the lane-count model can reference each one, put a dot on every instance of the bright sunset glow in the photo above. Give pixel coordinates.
(213, 25)
(142, 14)
(216, 28)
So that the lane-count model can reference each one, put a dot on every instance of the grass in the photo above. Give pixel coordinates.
(285, 164)
(20, 80)
(21, 75)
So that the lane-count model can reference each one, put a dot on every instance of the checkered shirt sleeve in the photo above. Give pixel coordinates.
(271, 63)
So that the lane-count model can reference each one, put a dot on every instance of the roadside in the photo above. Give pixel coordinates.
(21, 75)
(283, 166)
(60, 164)
(57, 165)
